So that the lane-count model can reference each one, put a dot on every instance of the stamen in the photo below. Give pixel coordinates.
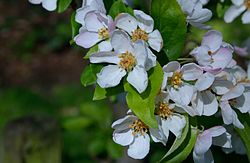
(209, 52)
(139, 34)
(103, 33)
(139, 127)
(127, 61)
(163, 110)
(176, 80)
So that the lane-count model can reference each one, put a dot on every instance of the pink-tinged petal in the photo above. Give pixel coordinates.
(229, 116)
(140, 53)
(233, 12)
(172, 67)
(140, 147)
(203, 143)
(205, 81)
(155, 40)
(237, 91)
(238, 2)
(92, 22)
(104, 57)
(191, 71)
(246, 17)
(221, 58)
(145, 22)
(126, 22)
(121, 43)
(49, 5)
(210, 103)
(123, 138)
(213, 40)
(110, 76)
(81, 13)
(138, 78)
(201, 55)
(87, 39)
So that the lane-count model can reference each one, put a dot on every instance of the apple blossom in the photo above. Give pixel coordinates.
(49, 5)
(126, 58)
(238, 7)
(214, 136)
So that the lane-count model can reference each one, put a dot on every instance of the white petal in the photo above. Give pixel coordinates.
(104, 46)
(110, 76)
(200, 16)
(126, 22)
(123, 123)
(172, 67)
(216, 131)
(187, 8)
(221, 86)
(121, 43)
(158, 136)
(212, 39)
(97, 5)
(224, 140)
(87, 39)
(175, 124)
(92, 22)
(246, 17)
(140, 53)
(151, 61)
(155, 40)
(203, 143)
(233, 12)
(237, 91)
(191, 71)
(204, 82)
(204, 158)
(222, 58)
(145, 22)
(81, 13)
(140, 147)
(197, 103)
(187, 109)
(138, 78)
(182, 95)
(238, 2)
(201, 55)
(49, 5)
(243, 102)
(35, 1)
(123, 138)
(104, 57)
(210, 103)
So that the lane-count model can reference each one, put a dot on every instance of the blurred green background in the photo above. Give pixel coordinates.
(46, 115)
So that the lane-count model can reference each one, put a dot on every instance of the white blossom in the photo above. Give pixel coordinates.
(49, 5)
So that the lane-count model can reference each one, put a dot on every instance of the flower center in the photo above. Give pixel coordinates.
(209, 52)
(176, 79)
(139, 34)
(138, 127)
(103, 33)
(163, 110)
(247, 4)
(127, 61)
(246, 80)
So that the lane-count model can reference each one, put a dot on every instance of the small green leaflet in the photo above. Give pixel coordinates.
(63, 5)
(74, 27)
(88, 76)
(143, 105)
(102, 93)
(92, 50)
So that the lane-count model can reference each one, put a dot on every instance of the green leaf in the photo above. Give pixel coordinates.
(119, 7)
(76, 123)
(221, 9)
(245, 133)
(171, 22)
(88, 76)
(92, 50)
(182, 147)
(74, 27)
(102, 93)
(143, 105)
(63, 5)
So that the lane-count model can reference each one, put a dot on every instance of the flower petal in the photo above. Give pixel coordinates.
(172, 67)
(233, 12)
(212, 39)
(35, 1)
(216, 131)
(155, 40)
(140, 147)
(210, 103)
(203, 143)
(158, 136)
(204, 82)
(175, 124)
(120, 41)
(104, 57)
(243, 102)
(201, 55)
(221, 86)
(191, 71)
(151, 61)
(140, 53)
(224, 140)
(222, 58)
(110, 76)
(145, 22)
(123, 123)
(81, 13)
(49, 5)
(126, 22)
(246, 17)
(238, 2)
(138, 78)
(105, 46)
(204, 158)
(92, 22)
(182, 95)
(87, 39)
(237, 91)
(123, 138)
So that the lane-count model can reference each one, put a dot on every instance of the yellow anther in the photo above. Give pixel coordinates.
(163, 110)
(127, 61)
(103, 33)
(176, 80)
(138, 127)
(139, 34)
